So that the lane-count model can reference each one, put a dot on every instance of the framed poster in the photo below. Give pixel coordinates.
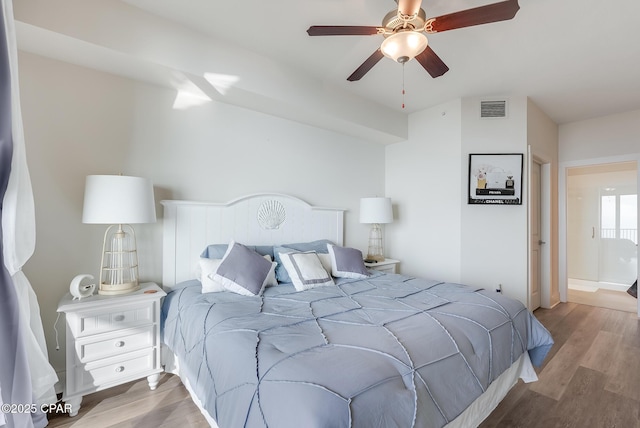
(495, 178)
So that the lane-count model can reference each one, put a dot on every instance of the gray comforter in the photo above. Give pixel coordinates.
(388, 351)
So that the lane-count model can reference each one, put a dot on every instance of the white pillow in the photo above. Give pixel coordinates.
(208, 268)
(305, 270)
(325, 259)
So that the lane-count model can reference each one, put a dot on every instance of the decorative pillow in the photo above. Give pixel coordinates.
(281, 271)
(271, 278)
(243, 271)
(325, 259)
(347, 262)
(319, 246)
(208, 267)
(305, 270)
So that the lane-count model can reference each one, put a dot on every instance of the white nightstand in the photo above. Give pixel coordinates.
(388, 265)
(111, 340)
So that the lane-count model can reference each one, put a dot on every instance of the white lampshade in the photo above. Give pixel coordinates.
(376, 210)
(118, 199)
(404, 45)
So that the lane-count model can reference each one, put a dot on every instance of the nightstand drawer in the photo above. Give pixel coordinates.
(387, 266)
(106, 345)
(116, 370)
(124, 316)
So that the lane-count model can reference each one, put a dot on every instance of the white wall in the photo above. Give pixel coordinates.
(608, 136)
(436, 234)
(494, 238)
(126, 40)
(423, 178)
(79, 122)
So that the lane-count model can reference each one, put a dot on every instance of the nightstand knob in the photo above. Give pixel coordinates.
(119, 369)
(119, 318)
(119, 344)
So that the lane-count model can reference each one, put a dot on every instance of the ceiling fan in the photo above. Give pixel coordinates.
(403, 29)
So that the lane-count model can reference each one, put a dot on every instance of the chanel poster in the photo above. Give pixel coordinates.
(495, 179)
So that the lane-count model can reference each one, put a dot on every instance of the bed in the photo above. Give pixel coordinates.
(367, 349)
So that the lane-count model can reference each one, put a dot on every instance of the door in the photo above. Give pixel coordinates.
(535, 236)
(583, 218)
(602, 233)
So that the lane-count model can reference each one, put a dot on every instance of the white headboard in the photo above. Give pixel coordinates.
(260, 219)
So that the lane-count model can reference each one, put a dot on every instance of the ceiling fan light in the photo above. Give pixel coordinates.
(404, 46)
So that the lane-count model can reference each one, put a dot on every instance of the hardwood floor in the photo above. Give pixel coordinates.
(134, 405)
(619, 300)
(591, 378)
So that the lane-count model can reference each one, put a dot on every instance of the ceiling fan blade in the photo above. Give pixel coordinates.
(502, 11)
(432, 63)
(366, 66)
(409, 7)
(342, 30)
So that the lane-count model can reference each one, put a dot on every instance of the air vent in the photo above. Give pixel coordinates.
(493, 109)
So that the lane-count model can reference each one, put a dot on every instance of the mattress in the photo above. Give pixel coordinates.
(389, 350)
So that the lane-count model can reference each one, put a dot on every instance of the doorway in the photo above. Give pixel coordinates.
(602, 234)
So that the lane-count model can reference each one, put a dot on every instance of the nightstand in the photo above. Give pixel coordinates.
(111, 340)
(388, 265)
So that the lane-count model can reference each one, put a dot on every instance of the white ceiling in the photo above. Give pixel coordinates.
(575, 59)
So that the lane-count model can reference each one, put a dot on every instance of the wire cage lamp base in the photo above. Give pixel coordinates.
(376, 248)
(119, 267)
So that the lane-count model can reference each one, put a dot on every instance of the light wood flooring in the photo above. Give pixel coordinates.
(591, 378)
(620, 300)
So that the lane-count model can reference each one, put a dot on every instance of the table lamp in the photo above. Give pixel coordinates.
(118, 200)
(376, 211)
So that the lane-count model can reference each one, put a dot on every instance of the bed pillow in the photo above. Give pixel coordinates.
(217, 251)
(319, 246)
(305, 270)
(208, 268)
(347, 262)
(281, 271)
(271, 278)
(325, 259)
(243, 271)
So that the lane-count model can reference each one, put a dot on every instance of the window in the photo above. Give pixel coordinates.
(619, 217)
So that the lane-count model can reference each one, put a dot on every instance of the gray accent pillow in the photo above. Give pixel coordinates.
(347, 262)
(243, 271)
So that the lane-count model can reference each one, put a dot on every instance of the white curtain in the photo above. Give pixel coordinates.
(19, 235)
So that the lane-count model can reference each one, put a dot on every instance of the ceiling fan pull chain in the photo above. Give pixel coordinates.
(403, 85)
